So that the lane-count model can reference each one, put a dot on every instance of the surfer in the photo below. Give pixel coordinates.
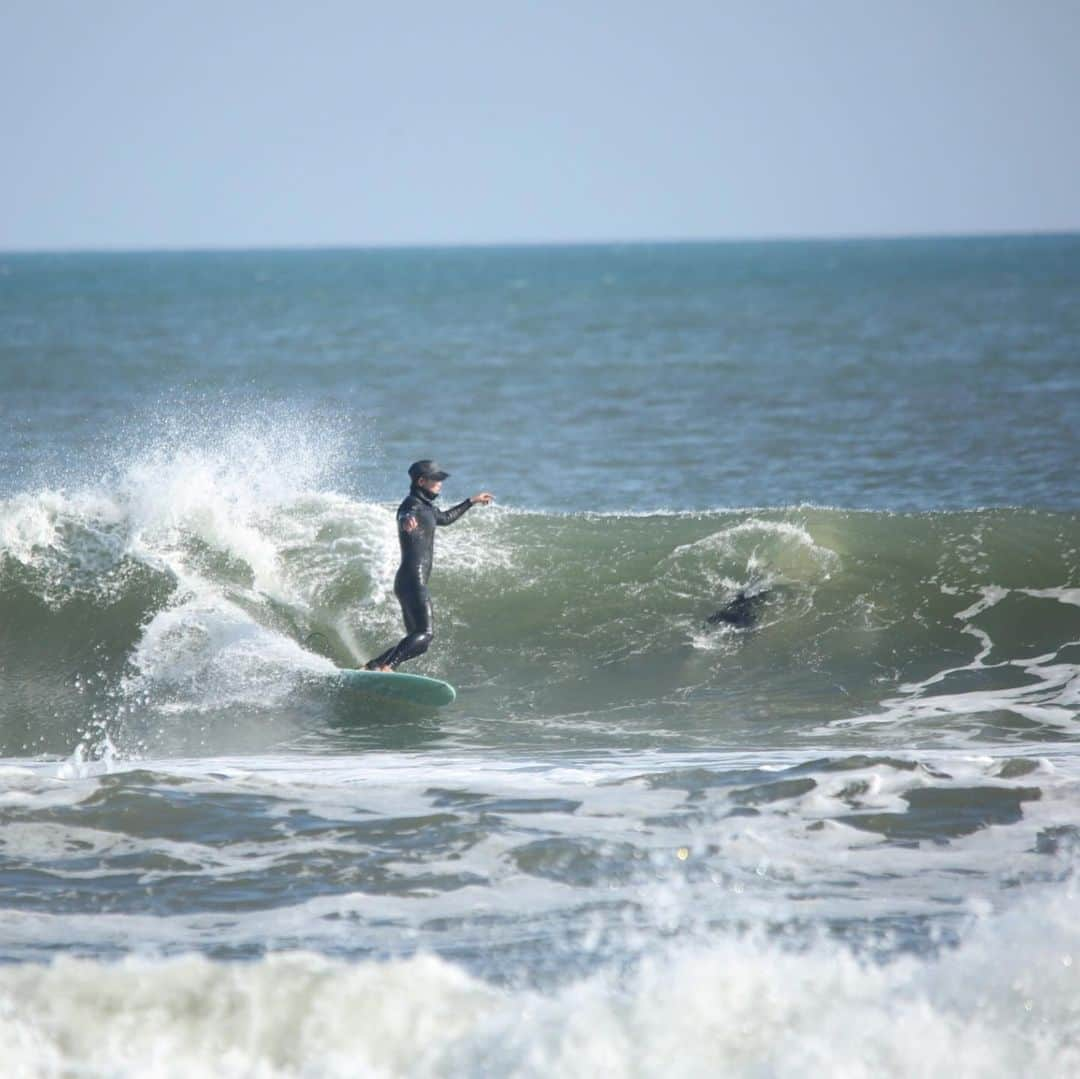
(742, 611)
(417, 518)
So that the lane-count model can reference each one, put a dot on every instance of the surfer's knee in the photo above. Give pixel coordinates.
(415, 645)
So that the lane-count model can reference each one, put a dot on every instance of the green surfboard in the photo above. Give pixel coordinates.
(396, 686)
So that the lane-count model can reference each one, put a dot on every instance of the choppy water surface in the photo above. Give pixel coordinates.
(838, 837)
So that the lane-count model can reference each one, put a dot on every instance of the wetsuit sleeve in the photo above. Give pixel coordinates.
(453, 514)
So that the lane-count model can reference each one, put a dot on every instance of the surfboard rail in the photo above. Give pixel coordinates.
(398, 686)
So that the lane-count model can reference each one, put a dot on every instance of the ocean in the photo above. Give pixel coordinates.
(832, 829)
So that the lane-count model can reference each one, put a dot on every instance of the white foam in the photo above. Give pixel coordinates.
(246, 494)
(214, 654)
(1005, 1003)
(804, 846)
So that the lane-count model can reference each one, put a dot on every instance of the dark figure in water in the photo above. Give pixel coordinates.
(417, 518)
(741, 612)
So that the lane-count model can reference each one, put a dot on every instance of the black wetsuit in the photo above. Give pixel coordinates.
(417, 518)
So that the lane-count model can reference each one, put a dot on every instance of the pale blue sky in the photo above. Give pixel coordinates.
(242, 123)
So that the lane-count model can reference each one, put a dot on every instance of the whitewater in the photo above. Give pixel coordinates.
(840, 837)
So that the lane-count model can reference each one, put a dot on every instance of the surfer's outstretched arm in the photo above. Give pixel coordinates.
(455, 513)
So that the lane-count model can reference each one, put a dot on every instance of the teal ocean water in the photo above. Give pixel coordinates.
(838, 834)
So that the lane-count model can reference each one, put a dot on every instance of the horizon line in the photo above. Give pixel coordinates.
(480, 245)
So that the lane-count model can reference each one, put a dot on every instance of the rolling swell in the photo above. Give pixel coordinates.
(180, 627)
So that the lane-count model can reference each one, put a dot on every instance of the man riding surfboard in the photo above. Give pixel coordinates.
(417, 519)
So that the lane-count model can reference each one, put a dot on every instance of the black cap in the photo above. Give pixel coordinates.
(428, 470)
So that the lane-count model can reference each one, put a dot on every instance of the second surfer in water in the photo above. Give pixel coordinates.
(417, 518)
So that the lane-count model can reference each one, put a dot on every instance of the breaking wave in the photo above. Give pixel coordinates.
(1002, 1004)
(224, 579)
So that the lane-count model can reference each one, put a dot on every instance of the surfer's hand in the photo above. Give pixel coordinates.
(485, 498)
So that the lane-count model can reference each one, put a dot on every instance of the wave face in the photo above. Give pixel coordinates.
(199, 599)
